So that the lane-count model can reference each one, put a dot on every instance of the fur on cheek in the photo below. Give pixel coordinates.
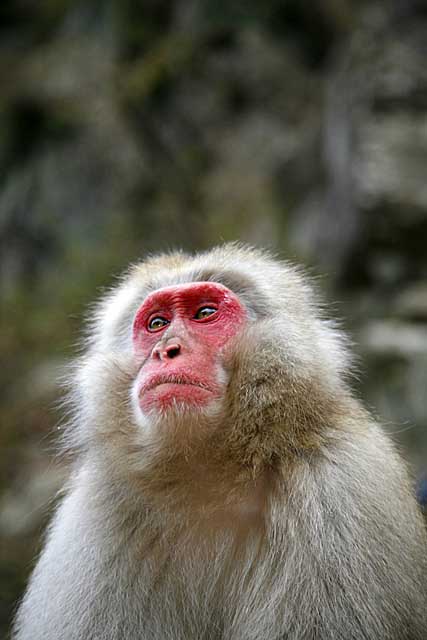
(100, 411)
(274, 409)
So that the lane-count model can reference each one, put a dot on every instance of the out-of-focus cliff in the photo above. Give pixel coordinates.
(130, 128)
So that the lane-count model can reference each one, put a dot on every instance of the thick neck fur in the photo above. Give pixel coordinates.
(191, 575)
(199, 571)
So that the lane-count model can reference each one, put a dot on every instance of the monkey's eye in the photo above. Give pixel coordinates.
(204, 312)
(157, 323)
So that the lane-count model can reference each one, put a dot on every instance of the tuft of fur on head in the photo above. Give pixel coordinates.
(285, 379)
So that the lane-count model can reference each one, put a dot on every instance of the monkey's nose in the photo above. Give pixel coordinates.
(167, 352)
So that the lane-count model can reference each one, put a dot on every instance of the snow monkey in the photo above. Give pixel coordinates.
(226, 483)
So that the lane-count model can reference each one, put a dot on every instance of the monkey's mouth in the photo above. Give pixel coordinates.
(167, 391)
(160, 380)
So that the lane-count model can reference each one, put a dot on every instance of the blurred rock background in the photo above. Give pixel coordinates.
(134, 127)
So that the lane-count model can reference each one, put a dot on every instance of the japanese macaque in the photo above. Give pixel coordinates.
(227, 484)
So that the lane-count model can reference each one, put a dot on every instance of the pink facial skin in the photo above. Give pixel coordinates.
(178, 335)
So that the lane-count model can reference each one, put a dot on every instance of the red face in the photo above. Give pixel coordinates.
(179, 333)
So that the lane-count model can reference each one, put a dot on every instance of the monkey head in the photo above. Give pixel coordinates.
(220, 360)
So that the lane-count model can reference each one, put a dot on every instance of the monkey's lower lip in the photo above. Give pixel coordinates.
(176, 381)
(167, 393)
(180, 384)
